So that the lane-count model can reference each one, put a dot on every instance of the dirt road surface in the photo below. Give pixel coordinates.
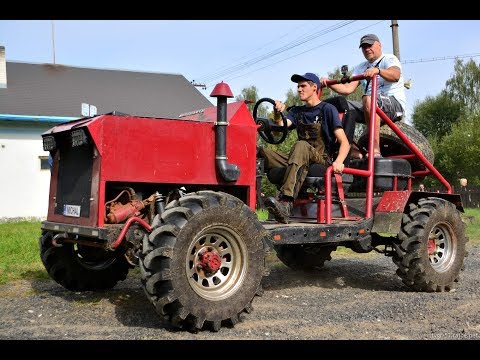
(354, 297)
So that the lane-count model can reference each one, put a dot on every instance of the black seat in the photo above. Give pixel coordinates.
(386, 170)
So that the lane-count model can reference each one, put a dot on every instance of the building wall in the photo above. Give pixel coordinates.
(24, 187)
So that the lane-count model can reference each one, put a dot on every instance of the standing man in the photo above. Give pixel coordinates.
(321, 140)
(390, 93)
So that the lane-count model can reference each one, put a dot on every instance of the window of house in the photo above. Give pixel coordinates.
(44, 165)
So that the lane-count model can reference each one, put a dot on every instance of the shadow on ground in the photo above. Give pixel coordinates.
(369, 274)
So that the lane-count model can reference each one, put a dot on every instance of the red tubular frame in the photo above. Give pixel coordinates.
(369, 173)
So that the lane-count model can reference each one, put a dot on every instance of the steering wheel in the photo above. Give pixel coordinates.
(268, 126)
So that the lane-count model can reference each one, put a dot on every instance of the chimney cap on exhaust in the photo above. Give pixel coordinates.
(221, 89)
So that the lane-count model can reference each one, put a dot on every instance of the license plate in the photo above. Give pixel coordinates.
(71, 210)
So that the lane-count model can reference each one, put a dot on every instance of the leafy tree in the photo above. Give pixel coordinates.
(457, 155)
(451, 122)
(250, 94)
(292, 99)
(435, 116)
(464, 86)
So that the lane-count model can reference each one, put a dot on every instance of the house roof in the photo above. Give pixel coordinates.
(58, 90)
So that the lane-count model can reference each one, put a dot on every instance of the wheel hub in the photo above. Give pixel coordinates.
(431, 246)
(440, 247)
(209, 261)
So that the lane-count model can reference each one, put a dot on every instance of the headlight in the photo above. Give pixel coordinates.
(49, 143)
(78, 137)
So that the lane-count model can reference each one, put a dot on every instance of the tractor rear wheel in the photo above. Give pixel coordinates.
(431, 247)
(203, 264)
(304, 257)
(81, 268)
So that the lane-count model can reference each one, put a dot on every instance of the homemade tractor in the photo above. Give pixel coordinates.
(177, 198)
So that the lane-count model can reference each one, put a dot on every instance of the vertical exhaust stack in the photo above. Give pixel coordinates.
(229, 172)
(3, 68)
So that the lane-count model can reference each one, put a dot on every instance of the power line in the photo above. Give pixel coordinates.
(298, 42)
(440, 58)
(254, 51)
(303, 52)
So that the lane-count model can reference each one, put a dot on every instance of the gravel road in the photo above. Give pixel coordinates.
(355, 296)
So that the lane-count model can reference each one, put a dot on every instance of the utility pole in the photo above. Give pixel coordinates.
(396, 47)
(53, 42)
(203, 86)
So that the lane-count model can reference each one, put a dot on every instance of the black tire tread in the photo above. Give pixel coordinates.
(67, 271)
(161, 254)
(411, 256)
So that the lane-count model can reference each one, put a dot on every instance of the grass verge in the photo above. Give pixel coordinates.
(20, 253)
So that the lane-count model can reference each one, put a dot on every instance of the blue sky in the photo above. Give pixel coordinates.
(242, 53)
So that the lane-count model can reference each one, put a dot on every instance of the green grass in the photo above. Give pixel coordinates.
(472, 217)
(262, 214)
(19, 251)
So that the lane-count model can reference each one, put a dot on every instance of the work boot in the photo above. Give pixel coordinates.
(280, 209)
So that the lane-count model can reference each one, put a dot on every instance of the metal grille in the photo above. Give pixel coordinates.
(75, 177)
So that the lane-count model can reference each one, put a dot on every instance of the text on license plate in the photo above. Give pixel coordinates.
(71, 210)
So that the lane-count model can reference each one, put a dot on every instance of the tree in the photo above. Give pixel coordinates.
(464, 86)
(457, 155)
(292, 99)
(435, 116)
(250, 94)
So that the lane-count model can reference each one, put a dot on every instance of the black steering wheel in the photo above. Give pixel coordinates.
(268, 126)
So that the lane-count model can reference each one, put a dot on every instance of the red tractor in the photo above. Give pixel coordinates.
(177, 198)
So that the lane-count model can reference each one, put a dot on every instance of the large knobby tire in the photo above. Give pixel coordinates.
(304, 257)
(431, 248)
(203, 263)
(81, 268)
(391, 144)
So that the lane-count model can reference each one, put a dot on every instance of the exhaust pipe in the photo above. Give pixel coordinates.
(229, 172)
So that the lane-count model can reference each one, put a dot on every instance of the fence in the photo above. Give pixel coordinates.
(470, 198)
(470, 195)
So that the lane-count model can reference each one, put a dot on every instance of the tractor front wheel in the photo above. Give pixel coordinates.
(203, 264)
(80, 268)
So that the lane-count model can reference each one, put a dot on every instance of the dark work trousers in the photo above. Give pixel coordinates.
(301, 156)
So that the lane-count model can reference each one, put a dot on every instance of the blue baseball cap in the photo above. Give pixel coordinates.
(306, 77)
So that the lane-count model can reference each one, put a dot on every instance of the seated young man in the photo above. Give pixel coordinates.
(320, 136)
